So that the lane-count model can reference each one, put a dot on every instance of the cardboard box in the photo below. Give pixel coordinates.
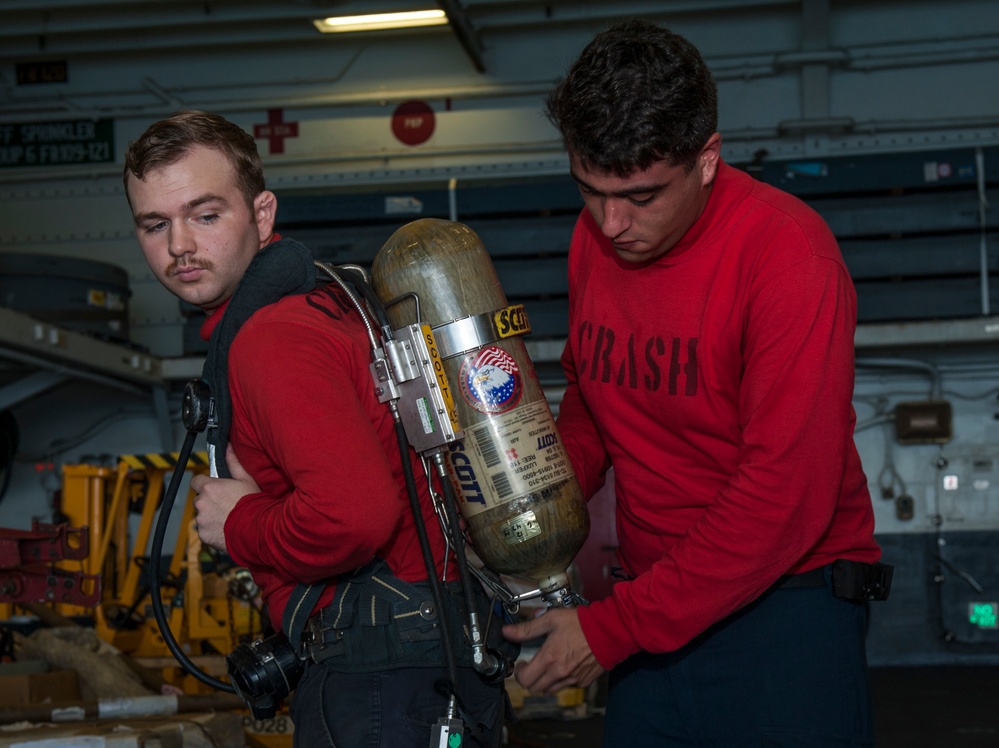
(39, 688)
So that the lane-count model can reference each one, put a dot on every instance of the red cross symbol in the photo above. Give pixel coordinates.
(276, 130)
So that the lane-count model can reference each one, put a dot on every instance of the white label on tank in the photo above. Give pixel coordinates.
(520, 528)
(508, 456)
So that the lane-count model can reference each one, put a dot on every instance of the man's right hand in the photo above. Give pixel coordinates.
(564, 660)
(216, 498)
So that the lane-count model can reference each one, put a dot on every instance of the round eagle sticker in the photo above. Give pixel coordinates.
(490, 380)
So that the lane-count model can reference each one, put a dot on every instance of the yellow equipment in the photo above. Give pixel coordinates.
(208, 607)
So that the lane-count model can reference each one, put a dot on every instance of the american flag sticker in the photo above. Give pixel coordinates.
(490, 380)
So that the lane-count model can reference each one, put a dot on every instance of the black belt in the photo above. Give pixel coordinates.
(813, 578)
(849, 580)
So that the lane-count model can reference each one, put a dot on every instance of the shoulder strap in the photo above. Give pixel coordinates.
(305, 596)
(303, 599)
(280, 269)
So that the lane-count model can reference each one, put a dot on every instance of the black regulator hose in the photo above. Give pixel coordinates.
(499, 668)
(155, 559)
(436, 589)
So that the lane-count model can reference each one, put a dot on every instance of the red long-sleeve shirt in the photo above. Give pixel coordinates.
(306, 424)
(717, 381)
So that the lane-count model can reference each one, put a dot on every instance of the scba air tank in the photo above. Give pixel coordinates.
(518, 493)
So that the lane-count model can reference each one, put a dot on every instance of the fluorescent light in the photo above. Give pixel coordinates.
(381, 21)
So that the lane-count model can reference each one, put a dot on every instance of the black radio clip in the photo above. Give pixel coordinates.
(860, 582)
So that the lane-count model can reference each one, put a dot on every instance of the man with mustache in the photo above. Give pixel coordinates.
(312, 487)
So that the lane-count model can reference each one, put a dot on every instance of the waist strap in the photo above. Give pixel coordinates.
(378, 620)
(813, 578)
(848, 580)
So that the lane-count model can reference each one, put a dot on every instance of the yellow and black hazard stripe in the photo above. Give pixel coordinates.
(162, 460)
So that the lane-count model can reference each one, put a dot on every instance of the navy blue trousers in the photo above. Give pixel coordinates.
(787, 671)
(393, 708)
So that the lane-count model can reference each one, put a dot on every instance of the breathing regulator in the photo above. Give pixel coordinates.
(449, 361)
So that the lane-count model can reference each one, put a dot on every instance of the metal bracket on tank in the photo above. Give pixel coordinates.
(469, 333)
(563, 597)
(409, 369)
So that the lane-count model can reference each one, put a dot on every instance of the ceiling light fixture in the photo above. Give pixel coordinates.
(381, 21)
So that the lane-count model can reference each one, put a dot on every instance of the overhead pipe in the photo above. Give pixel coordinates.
(983, 209)
(557, 164)
(910, 364)
(567, 13)
(749, 68)
(30, 108)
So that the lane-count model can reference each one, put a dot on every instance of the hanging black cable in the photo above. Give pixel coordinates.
(155, 558)
(436, 588)
(497, 670)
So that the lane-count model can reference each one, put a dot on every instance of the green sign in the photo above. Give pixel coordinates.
(84, 141)
(983, 615)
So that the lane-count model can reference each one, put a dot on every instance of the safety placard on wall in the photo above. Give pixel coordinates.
(413, 122)
(82, 141)
(968, 487)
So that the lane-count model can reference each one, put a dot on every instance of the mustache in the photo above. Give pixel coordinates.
(176, 266)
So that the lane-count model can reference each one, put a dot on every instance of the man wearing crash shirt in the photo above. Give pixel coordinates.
(710, 363)
(312, 487)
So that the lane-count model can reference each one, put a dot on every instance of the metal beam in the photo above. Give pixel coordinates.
(465, 32)
(68, 350)
(28, 387)
(162, 408)
(815, 86)
(934, 333)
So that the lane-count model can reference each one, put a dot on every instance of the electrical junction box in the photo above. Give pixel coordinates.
(966, 501)
(926, 422)
(967, 490)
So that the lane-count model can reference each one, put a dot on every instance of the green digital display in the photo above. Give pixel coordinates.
(983, 615)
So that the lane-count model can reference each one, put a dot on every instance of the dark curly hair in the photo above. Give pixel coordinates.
(169, 140)
(638, 94)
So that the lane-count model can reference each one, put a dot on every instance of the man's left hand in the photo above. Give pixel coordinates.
(216, 498)
(564, 660)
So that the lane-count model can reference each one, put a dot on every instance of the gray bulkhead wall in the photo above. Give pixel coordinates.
(884, 115)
